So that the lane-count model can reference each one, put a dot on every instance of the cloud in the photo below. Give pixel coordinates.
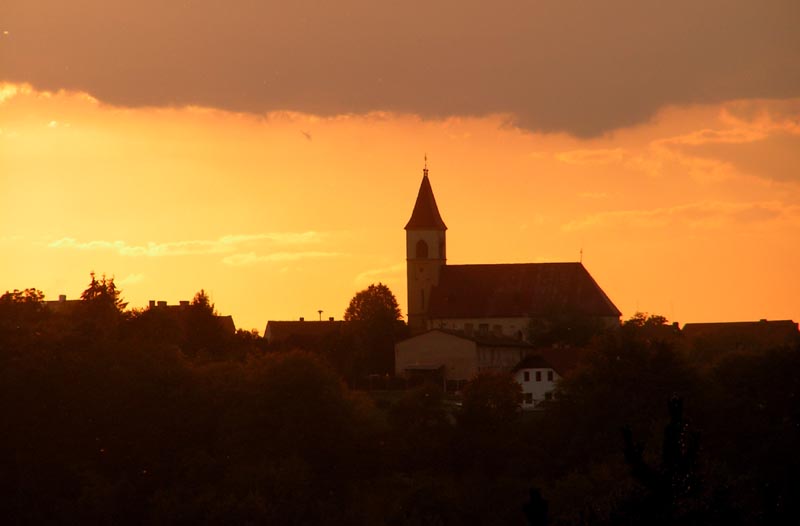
(693, 215)
(766, 144)
(574, 66)
(380, 274)
(592, 156)
(222, 245)
(130, 279)
(251, 258)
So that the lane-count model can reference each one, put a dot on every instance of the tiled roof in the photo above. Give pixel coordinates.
(426, 213)
(532, 361)
(517, 290)
(744, 333)
(279, 331)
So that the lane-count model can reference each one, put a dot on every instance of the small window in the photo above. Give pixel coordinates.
(497, 330)
(549, 376)
(422, 249)
(527, 376)
(483, 329)
(548, 396)
(468, 327)
(528, 398)
(538, 376)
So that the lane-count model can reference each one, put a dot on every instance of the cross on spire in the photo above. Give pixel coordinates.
(425, 169)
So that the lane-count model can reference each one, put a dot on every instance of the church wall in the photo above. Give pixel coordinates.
(434, 238)
(458, 355)
(422, 273)
(515, 328)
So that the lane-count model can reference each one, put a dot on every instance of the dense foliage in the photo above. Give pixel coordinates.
(123, 417)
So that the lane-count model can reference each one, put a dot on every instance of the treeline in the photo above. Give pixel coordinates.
(118, 417)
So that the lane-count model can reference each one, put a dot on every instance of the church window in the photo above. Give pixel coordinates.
(422, 249)
(441, 250)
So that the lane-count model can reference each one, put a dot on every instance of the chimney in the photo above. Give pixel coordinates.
(330, 318)
(162, 303)
(62, 298)
(302, 319)
(152, 304)
(184, 303)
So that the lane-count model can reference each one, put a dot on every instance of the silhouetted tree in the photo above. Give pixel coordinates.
(204, 333)
(377, 324)
(22, 314)
(535, 509)
(103, 294)
(672, 490)
(490, 399)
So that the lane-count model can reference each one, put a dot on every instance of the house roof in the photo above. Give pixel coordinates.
(517, 290)
(426, 214)
(559, 358)
(532, 361)
(744, 333)
(279, 331)
(482, 340)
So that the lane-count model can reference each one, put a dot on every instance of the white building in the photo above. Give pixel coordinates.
(538, 380)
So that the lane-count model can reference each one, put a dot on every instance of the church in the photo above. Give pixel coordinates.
(465, 318)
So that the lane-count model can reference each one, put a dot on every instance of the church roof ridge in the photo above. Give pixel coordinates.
(426, 214)
(517, 289)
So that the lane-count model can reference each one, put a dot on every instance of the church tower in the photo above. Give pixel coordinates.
(425, 253)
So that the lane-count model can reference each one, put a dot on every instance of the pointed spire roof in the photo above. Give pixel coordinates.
(426, 214)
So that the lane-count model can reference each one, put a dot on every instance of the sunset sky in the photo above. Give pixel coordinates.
(270, 152)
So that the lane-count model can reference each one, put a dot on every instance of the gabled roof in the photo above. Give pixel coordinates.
(301, 331)
(518, 290)
(481, 340)
(744, 333)
(561, 359)
(426, 214)
(532, 361)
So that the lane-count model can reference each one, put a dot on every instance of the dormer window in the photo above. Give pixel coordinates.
(422, 249)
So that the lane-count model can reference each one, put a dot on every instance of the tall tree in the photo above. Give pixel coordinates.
(103, 294)
(377, 324)
(374, 304)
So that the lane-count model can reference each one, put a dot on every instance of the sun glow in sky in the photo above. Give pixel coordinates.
(683, 205)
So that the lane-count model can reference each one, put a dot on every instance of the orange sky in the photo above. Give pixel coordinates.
(270, 152)
(693, 213)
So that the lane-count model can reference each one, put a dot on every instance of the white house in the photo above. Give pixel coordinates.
(538, 380)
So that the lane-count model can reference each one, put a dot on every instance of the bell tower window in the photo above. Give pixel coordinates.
(422, 249)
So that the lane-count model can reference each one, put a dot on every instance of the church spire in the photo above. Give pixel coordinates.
(426, 214)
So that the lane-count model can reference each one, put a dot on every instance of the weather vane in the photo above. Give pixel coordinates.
(425, 169)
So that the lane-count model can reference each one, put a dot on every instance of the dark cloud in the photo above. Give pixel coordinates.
(775, 156)
(556, 65)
